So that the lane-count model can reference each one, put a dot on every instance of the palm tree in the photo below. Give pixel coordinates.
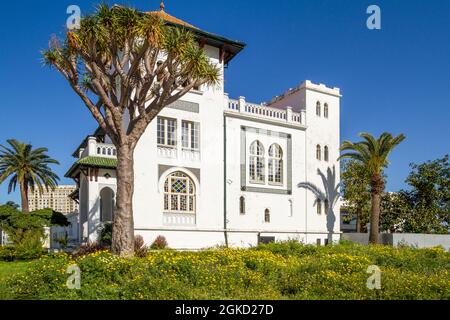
(27, 167)
(373, 154)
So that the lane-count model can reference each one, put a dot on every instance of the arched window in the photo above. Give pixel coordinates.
(326, 111)
(327, 206)
(257, 163)
(242, 205)
(318, 109)
(179, 194)
(319, 206)
(275, 164)
(326, 154)
(319, 152)
(267, 216)
(107, 205)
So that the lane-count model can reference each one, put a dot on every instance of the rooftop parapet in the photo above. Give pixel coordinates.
(308, 85)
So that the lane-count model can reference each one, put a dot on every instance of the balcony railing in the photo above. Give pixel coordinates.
(264, 112)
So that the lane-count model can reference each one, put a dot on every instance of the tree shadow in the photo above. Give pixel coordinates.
(331, 193)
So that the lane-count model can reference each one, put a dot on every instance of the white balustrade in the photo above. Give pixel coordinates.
(262, 111)
(179, 219)
(106, 150)
(167, 152)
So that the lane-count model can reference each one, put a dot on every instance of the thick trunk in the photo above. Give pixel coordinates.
(377, 185)
(24, 197)
(123, 229)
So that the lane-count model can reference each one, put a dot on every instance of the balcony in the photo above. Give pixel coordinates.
(263, 112)
(98, 149)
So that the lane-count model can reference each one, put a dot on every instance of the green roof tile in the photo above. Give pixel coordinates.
(95, 162)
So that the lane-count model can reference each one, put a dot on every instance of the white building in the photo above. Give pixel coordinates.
(57, 199)
(212, 168)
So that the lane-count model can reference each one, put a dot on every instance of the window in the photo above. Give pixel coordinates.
(327, 206)
(167, 132)
(319, 152)
(257, 163)
(179, 194)
(267, 216)
(318, 109)
(190, 137)
(326, 110)
(319, 206)
(275, 164)
(326, 154)
(242, 205)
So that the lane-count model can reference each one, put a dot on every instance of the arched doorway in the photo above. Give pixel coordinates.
(107, 205)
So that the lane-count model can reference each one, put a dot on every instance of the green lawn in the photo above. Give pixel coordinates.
(275, 271)
(8, 269)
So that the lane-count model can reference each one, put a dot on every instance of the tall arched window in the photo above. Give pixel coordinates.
(319, 152)
(275, 164)
(267, 216)
(242, 205)
(257, 163)
(326, 111)
(326, 154)
(318, 109)
(319, 206)
(179, 194)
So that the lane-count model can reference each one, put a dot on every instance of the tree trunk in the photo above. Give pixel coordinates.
(358, 221)
(377, 185)
(123, 228)
(24, 197)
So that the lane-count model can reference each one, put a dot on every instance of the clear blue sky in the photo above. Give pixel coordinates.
(396, 79)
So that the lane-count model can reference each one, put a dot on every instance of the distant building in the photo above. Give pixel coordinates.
(58, 199)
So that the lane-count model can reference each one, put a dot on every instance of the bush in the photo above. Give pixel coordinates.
(159, 244)
(140, 250)
(106, 235)
(87, 249)
(7, 253)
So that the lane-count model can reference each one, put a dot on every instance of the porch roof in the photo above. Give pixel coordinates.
(91, 162)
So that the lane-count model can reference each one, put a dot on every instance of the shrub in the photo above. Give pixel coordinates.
(106, 235)
(159, 244)
(30, 245)
(87, 249)
(140, 250)
(7, 253)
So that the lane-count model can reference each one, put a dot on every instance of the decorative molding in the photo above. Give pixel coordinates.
(164, 168)
(244, 186)
(185, 106)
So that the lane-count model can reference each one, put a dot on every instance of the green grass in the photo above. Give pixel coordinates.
(269, 272)
(10, 269)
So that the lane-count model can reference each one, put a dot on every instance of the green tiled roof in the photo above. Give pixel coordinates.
(93, 162)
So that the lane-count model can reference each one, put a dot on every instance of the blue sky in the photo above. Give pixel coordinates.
(396, 79)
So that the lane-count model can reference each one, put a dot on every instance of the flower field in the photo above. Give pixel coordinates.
(276, 271)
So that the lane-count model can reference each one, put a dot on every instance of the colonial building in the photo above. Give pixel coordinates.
(212, 169)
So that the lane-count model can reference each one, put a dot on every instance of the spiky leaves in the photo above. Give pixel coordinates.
(27, 167)
(373, 154)
(129, 65)
(131, 62)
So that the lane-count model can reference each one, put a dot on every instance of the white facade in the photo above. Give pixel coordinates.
(211, 169)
